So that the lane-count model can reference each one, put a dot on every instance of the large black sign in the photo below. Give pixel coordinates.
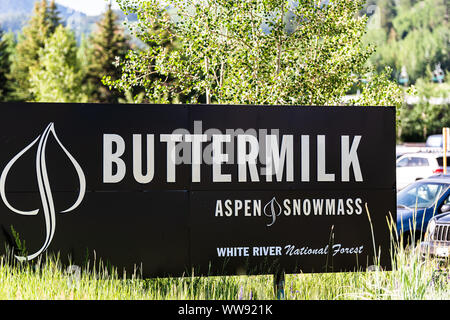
(209, 189)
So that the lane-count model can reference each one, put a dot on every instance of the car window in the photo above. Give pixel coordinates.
(422, 195)
(440, 161)
(402, 163)
(417, 162)
(412, 162)
(423, 162)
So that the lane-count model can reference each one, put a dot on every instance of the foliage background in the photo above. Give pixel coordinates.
(261, 52)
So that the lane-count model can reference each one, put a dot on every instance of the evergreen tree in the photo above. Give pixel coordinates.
(53, 18)
(108, 44)
(27, 53)
(57, 77)
(40, 26)
(5, 66)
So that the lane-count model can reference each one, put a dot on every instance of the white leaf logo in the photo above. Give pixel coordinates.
(273, 211)
(45, 191)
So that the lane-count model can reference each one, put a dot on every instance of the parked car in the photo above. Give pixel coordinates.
(419, 202)
(415, 166)
(436, 141)
(437, 238)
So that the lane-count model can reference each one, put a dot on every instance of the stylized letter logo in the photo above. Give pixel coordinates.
(44, 187)
(275, 210)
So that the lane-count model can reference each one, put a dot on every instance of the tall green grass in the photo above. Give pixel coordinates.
(47, 279)
(411, 277)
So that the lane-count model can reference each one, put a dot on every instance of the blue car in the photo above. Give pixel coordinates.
(418, 203)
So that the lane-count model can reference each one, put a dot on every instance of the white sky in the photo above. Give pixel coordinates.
(89, 7)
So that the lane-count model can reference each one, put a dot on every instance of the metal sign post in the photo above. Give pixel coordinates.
(278, 285)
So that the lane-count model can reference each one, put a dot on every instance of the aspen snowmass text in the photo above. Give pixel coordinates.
(288, 207)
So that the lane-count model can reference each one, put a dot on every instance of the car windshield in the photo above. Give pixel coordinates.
(421, 194)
